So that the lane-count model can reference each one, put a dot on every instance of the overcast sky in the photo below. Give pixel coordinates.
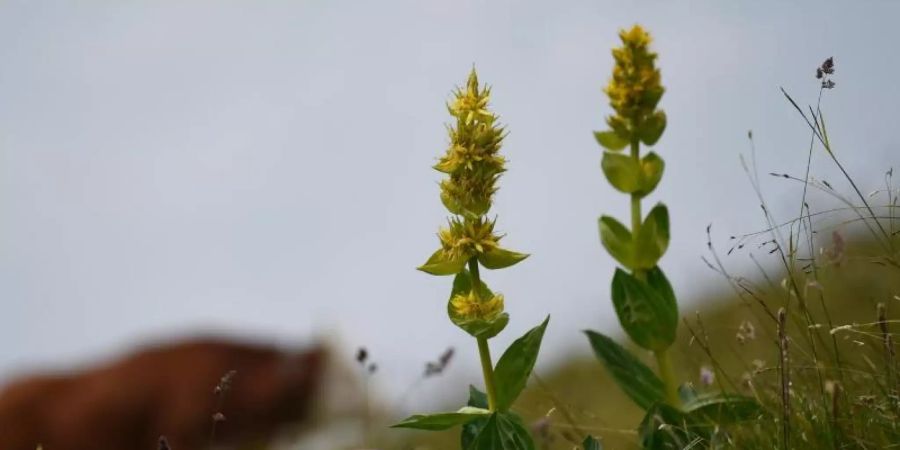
(263, 168)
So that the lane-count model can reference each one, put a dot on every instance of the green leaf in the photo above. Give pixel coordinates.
(722, 409)
(617, 241)
(631, 176)
(498, 258)
(477, 398)
(644, 251)
(652, 238)
(610, 140)
(658, 281)
(666, 428)
(502, 431)
(652, 128)
(633, 376)
(462, 284)
(471, 429)
(651, 172)
(648, 317)
(471, 210)
(439, 264)
(622, 171)
(650, 97)
(620, 127)
(591, 443)
(516, 364)
(479, 328)
(442, 421)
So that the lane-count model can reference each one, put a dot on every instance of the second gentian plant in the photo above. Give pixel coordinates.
(642, 297)
(472, 165)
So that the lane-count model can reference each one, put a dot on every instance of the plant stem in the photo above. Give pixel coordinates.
(484, 351)
(635, 198)
(668, 377)
(663, 362)
(488, 372)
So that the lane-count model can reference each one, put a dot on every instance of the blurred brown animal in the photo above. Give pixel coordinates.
(165, 390)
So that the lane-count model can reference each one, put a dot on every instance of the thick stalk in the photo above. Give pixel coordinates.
(663, 362)
(635, 198)
(488, 371)
(484, 351)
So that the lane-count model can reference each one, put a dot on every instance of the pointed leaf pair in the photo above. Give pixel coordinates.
(477, 328)
(636, 379)
(515, 366)
(644, 252)
(631, 176)
(440, 264)
(647, 310)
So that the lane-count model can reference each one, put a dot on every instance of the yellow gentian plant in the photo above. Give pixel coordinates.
(643, 299)
(472, 165)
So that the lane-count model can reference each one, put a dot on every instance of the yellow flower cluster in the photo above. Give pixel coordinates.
(635, 87)
(471, 306)
(463, 240)
(472, 160)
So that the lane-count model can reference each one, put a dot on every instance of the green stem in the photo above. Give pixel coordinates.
(484, 351)
(663, 362)
(488, 371)
(635, 198)
(668, 377)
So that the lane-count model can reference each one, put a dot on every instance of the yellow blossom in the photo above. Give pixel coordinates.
(463, 240)
(471, 104)
(470, 306)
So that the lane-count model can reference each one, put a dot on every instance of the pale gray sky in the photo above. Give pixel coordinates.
(264, 167)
